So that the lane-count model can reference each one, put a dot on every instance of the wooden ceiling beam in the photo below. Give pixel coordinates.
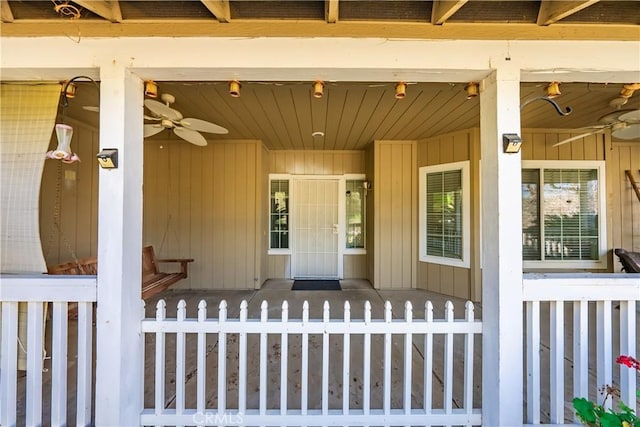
(7, 14)
(220, 8)
(444, 9)
(109, 10)
(554, 10)
(319, 28)
(331, 11)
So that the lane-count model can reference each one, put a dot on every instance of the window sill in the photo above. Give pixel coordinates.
(355, 251)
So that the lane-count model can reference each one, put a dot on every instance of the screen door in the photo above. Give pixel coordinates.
(316, 228)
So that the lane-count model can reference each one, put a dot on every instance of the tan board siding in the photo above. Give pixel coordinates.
(395, 210)
(623, 204)
(69, 197)
(355, 266)
(201, 203)
(455, 281)
(371, 214)
(314, 162)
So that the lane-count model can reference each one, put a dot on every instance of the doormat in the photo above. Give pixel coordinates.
(316, 285)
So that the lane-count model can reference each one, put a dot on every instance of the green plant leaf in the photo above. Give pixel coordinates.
(584, 410)
(610, 420)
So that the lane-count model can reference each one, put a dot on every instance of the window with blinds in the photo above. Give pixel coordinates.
(444, 214)
(279, 214)
(355, 217)
(562, 205)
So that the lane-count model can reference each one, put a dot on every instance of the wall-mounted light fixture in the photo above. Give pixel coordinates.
(512, 142)
(68, 89)
(472, 89)
(151, 89)
(318, 89)
(366, 185)
(401, 90)
(108, 158)
(234, 88)
(553, 90)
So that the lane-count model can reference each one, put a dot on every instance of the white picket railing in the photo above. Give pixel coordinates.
(36, 292)
(562, 310)
(253, 385)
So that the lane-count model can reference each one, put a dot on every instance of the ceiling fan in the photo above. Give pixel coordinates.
(168, 118)
(624, 124)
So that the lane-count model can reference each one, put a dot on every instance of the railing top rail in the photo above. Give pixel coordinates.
(25, 288)
(581, 287)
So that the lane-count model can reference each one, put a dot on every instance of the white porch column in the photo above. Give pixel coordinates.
(502, 339)
(119, 340)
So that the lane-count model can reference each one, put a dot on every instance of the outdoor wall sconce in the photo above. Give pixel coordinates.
(151, 89)
(234, 88)
(318, 89)
(68, 89)
(401, 90)
(512, 143)
(472, 89)
(553, 90)
(108, 158)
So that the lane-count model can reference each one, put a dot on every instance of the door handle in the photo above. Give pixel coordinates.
(335, 229)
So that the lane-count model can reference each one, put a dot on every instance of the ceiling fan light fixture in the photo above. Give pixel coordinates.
(401, 90)
(628, 89)
(234, 88)
(618, 102)
(318, 89)
(472, 89)
(68, 89)
(553, 90)
(151, 89)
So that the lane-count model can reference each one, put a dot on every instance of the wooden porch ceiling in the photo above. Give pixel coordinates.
(352, 114)
(440, 19)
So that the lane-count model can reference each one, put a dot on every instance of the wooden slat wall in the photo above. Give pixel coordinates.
(315, 162)
(455, 147)
(624, 205)
(371, 214)
(395, 210)
(202, 203)
(72, 190)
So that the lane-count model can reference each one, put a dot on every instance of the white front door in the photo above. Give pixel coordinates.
(315, 228)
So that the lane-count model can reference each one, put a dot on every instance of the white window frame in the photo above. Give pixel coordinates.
(599, 165)
(464, 167)
(279, 177)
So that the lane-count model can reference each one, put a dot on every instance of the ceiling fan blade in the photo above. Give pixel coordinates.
(631, 131)
(159, 109)
(92, 108)
(582, 135)
(632, 116)
(190, 135)
(202, 126)
(152, 118)
(150, 130)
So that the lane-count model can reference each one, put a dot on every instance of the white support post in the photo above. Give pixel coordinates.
(502, 339)
(119, 339)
